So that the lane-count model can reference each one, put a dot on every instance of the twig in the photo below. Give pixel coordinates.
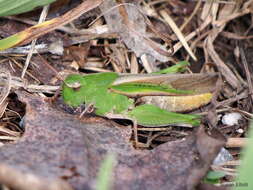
(18, 83)
(191, 16)
(177, 31)
(236, 142)
(3, 107)
(7, 85)
(30, 54)
(231, 100)
(248, 75)
(24, 49)
(146, 64)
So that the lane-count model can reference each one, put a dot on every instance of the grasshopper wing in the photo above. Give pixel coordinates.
(188, 91)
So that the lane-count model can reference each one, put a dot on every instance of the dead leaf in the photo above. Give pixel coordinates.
(176, 165)
(58, 149)
(45, 72)
(79, 53)
(129, 23)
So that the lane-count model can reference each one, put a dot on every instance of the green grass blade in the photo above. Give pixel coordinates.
(244, 180)
(12, 7)
(11, 41)
(213, 177)
(104, 179)
(179, 67)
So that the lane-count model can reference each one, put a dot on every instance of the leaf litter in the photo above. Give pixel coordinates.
(54, 156)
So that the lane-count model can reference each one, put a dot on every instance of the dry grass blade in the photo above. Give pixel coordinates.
(224, 69)
(9, 132)
(3, 107)
(5, 86)
(8, 138)
(29, 56)
(236, 142)
(179, 34)
(36, 31)
(190, 36)
(146, 64)
(248, 75)
(231, 17)
(235, 36)
(16, 83)
(191, 16)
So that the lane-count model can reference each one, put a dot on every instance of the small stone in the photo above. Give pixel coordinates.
(223, 157)
(240, 131)
(231, 118)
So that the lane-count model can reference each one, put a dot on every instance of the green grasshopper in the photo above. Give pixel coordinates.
(146, 99)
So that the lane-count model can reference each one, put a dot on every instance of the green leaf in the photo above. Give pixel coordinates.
(213, 177)
(150, 115)
(13, 7)
(179, 67)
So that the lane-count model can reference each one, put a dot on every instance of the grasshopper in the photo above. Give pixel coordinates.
(146, 99)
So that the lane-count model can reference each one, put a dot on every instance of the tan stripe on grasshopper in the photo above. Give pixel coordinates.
(178, 103)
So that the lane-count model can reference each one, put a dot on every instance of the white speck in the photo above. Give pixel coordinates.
(240, 131)
(56, 48)
(231, 118)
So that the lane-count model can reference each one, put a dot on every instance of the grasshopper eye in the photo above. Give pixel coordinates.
(74, 85)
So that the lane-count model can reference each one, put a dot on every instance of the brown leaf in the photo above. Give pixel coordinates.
(44, 71)
(10, 27)
(58, 148)
(131, 26)
(176, 165)
(79, 53)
